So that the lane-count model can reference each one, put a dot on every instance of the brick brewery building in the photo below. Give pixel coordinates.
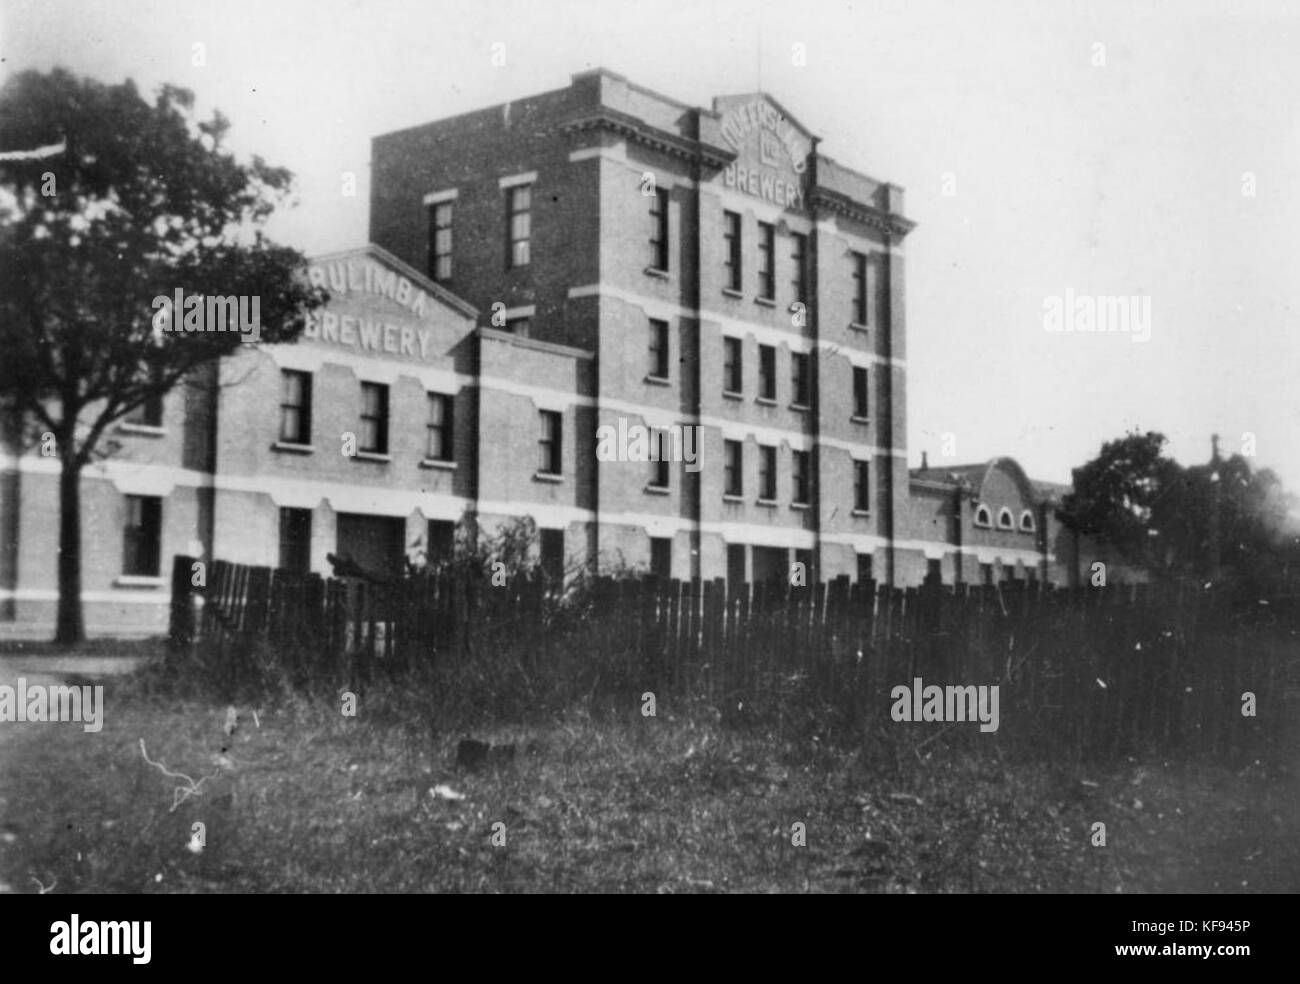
(596, 257)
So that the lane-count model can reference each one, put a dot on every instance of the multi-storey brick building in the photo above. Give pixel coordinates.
(544, 274)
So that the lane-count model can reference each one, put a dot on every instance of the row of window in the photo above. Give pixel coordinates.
(518, 239)
(800, 476)
(1006, 521)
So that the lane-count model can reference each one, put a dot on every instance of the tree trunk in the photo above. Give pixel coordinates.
(70, 627)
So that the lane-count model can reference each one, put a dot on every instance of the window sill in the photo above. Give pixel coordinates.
(859, 420)
(730, 497)
(732, 395)
(143, 430)
(438, 463)
(139, 581)
(766, 301)
(801, 505)
(375, 456)
(657, 273)
(658, 380)
(767, 401)
(288, 447)
(737, 294)
(855, 326)
(861, 512)
(765, 503)
(657, 490)
(801, 407)
(548, 477)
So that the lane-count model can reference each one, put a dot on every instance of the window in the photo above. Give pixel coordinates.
(731, 261)
(374, 418)
(295, 407)
(986, 573)
(861, 403)
(767, 372)
(295, 540)
(522, 327)
(519, 203)
(442, 541)
(549, 444)
(1008, 570)
(799, 258)
(440, 242)
(440, 446)
(659, 229)
(766, 473)
(732, 378)
(799, 379)
(864, 568)
(766, 271)
(147, 414)
(799, 473)
(553, 556)
(734, 478)
(374, 543)
(1027, 524)
(1005, 521)
(661, 556)
(859, 289)
(983, 517)
(659, 457)
(735, 564)
(142, 536)
(862, 486)
(933, 571)
(658, 349)
(805, 557)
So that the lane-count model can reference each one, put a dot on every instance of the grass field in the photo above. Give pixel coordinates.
(303, 799)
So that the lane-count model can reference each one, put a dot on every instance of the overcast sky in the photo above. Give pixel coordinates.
(1104, 148)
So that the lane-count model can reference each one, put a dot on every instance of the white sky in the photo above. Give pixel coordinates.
(1121, 179)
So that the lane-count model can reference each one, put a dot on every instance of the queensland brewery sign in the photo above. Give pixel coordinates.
(773, 153)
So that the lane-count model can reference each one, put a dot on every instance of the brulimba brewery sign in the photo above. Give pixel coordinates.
(773, 153)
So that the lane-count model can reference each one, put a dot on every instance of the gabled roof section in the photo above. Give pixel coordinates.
(384, 258)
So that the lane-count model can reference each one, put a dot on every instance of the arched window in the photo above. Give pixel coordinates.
(1027, 524)
(1005, 519)
(983, 517)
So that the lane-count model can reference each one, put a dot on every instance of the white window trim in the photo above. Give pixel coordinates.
(986, 511)
(439, 197)
(1027, 522)
(515, 180)
(1010, 523)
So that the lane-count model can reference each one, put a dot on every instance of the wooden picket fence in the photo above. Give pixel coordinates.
(1089, 672)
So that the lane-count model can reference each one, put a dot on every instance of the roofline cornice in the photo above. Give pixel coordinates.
(637, 130)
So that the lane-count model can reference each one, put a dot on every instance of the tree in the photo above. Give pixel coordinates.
(1123, 494)
(143, 200)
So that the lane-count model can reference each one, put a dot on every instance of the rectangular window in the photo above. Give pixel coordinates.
(767, 473)
(800, 464)
(658, 349)
(933, 571)
(661, 556)
(519, 204)
(553, 556)
(373, 438)
(864, 568)
(732, 374)
(660, 452)
(767, 372)
(861, 406)
(659, 229)
(731, 261)
(799, 379)
(766, 259)
(440, 242)
(442, 541)
(859, 289)
(440, 447)
(986, 573)
(147, 414)
(735, 564)
(142, 536)
(799, 257)
(805, 557)
(734, 477)
(549, 444)
(862, 486)
(295, 540)
(295, 407)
